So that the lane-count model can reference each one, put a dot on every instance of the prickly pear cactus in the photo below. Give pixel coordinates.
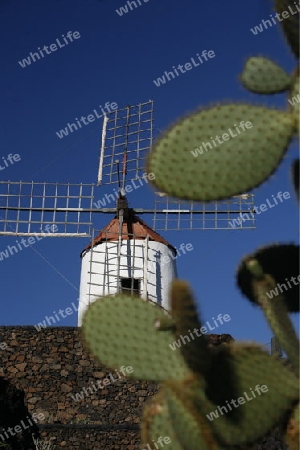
(123, 330)
(202, 156)
(263, 76)
(256, 138)
(189, 163)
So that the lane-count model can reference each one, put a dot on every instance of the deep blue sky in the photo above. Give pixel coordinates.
(116, 59)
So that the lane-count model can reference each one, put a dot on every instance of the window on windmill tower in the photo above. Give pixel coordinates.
(131, 286)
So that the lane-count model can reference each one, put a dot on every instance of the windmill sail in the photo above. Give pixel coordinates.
(127, 255)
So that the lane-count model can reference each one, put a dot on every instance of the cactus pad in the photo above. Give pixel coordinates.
(290, 24)
(279, 261)
(193, 430)
(242, 161)
(195, 349)
(263, 76)
(243, 367)
(120, 331)
(156, 422)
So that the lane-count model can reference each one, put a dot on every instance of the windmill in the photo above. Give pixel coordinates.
(127, 254)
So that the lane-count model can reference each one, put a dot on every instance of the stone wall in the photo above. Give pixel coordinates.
(91, 437)
(51, 367)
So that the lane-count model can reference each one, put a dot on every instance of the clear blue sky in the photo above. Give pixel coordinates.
(116, 59)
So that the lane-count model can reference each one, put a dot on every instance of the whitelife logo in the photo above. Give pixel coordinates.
(90, 118)
(225, 137)
(124, 9)
(23, 426)
(263, 207)
(274, 293)
(203, 330)
(294, 100)
(241, 401)
(166, 440)
(30, 241)
(90, 390)
(11, 158)
(187, 66)
(267, 23)
(108, 198)
(53, 48)
(68, 311)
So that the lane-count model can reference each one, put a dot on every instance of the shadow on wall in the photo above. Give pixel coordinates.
(14, 413)
(158, 278)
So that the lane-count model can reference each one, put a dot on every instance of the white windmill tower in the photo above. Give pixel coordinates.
(125, 255)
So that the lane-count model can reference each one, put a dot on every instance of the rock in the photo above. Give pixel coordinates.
(99, 374)
(66, 388)
(21, 366)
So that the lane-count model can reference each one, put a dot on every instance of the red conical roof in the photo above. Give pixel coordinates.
(133, 228)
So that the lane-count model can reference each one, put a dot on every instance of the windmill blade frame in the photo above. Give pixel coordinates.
(26, 208)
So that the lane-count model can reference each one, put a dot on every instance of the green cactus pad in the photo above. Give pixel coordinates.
(120, 331)
(263, 76)
(243, 367)
(290, 24)
(273, 303)
(156, 422)
(192, 429)
(194, 346)
(279, 261)
(242, 161)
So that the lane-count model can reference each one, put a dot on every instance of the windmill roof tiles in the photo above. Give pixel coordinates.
(133, 227)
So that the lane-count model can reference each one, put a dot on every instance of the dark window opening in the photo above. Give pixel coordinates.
(130, 286)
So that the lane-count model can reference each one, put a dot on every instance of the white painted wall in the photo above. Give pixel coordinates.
(99, 271)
